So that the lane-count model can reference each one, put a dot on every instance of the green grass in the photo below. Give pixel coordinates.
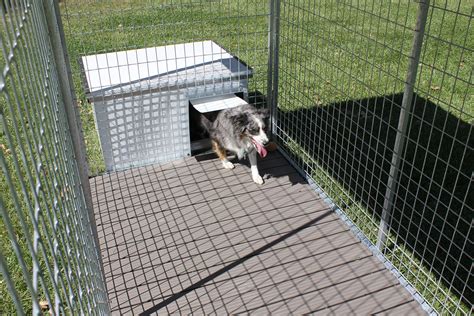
(331, 51)
(352, 53)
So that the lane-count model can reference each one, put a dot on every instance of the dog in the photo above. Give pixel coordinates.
(241, 130)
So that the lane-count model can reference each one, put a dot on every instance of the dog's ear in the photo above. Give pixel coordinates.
(241, 122)
(264, 112)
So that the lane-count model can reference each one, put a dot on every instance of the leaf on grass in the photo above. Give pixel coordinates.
(435, 88)
(44, 305)
(5, 149)
(317, 100)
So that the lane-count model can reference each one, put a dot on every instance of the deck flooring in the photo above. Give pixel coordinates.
(192, 237)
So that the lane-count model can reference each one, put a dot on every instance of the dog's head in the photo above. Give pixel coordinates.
(252, 124)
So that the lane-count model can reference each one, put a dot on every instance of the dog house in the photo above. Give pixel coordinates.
(141, 98)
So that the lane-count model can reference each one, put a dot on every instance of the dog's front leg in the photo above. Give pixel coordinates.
(253, 167)
(220, 151)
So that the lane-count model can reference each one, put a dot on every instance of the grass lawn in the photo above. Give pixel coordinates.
(345, 51)
(332, 52)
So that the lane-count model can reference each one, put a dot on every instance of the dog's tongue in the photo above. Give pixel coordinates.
(260, 149)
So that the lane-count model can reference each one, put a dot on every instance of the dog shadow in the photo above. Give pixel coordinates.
(274, 165)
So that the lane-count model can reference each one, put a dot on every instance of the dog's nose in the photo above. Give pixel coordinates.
(265, 142)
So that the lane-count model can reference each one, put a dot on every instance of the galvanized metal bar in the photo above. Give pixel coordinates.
(404, 118)
(271, 41)
(45, 213)
(69, 173)
(30, 152)
(70, 104)
(57, 147)
(8, 280)
(69, 98)
(274, 62)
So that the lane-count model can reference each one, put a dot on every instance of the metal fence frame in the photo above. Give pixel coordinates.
(39, 23)
(291, 131)
(44, 155)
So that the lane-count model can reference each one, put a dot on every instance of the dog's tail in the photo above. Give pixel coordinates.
(206, 124)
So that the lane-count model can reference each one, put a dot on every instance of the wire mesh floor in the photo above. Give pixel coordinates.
(190, 236)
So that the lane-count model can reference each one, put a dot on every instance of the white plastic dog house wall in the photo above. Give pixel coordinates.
(141, 97)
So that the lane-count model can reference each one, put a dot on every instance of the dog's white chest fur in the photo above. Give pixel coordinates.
(240, 151)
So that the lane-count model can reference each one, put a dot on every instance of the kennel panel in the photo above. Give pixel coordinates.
(375, 104)
(49, 256)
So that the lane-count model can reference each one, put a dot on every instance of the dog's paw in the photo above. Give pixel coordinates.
(228, 165)
(257, 179)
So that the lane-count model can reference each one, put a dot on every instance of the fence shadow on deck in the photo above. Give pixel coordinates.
(353, 141)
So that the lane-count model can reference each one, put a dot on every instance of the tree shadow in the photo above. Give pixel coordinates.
(353, 141)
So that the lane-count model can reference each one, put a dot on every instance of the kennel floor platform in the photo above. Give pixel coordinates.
(192, 237)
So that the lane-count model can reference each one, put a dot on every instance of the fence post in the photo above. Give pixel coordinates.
(271, 6)
(58, 43)
(404, 117)
(273, 52)
(61, 58)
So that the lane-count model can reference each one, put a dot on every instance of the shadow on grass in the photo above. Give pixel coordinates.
(353, 141)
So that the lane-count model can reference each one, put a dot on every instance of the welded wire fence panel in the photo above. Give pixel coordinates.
(380, 137)
(48, 255)
(239, 28)
(431, 221)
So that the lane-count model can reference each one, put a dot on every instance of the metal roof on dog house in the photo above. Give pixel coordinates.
(141, 97)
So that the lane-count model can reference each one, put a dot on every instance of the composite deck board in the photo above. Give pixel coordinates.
(192, 237)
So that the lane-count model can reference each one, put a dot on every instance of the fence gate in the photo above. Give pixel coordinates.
(48, 254)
